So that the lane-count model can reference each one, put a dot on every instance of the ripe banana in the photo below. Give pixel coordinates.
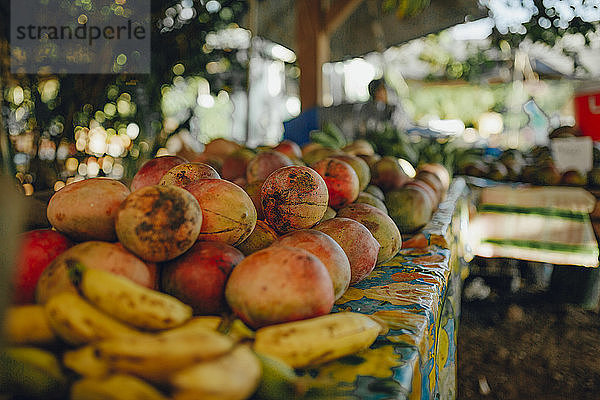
(235, 329)
(114, 387)
(238, 331)
(27, 324)
(85, 362)
(77, 322)
(317, 340)
(128, 301)
(31, 373)
(155, 357)
(210, 322)
(233, 376)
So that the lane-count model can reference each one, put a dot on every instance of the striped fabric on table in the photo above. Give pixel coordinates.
(544, 224)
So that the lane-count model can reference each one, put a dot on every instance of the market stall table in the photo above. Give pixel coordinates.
(542, 224)
(417, 294)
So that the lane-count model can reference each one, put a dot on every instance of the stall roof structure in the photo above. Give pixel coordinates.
(359, 33)
(331, 30)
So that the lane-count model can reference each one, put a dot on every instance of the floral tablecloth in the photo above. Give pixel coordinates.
(417, 293)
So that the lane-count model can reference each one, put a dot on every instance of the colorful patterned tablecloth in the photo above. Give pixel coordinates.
(543, 224)
(417, 294)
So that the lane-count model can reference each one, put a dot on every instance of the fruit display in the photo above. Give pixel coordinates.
(188, 173)
(153, 170)
(341, 180)
(92, 206)
(326, 249)
(535, 166)
(168, 286)
(381, 226)
(348, 233)
(294, 197)
(158, 223)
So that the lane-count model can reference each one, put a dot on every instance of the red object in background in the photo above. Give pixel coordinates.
(587, 109)
(38, 249)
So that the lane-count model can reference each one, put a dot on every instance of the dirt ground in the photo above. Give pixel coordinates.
(527, 344)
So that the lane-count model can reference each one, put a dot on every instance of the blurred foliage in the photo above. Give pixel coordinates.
(546, 22)
(465, 102)
(468, 101)
(549, 22)
(404, 8)
(46, 115)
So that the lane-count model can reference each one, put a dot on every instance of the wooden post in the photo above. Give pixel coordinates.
(312, 51)
(314, 26)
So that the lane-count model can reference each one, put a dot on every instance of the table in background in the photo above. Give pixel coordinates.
(542, 224)
(549, 226)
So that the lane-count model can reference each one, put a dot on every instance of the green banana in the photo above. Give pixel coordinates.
(329, 136)
(114, 387)
(279, 381)
(31, 373)
(336, 133)
(323, 139)
(128, 301)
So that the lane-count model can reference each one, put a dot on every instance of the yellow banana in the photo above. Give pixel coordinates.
(155, 357)
(317, 340)
(32, 373)
(85, 362)
(239, 331)
(128, 301)
(203, 322)
(235, 329)
(27, 324)
(233, 376)
(77, 322)
(114, 387)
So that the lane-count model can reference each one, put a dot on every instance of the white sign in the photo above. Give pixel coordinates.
(573, 153)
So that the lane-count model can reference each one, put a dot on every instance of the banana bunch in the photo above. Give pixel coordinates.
(125, 341)
(194, 362)
(329, 136)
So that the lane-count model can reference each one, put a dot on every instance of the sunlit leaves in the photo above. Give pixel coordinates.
(546, 21)
(404, 8)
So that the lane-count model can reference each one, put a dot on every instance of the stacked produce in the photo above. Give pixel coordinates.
(535, 166)
(200, 270)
